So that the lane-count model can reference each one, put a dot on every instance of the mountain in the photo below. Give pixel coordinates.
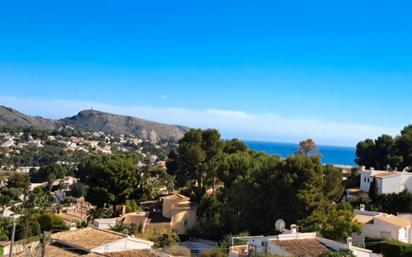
(11, 117)
(91, 120)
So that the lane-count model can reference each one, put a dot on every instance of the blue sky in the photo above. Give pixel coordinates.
(336, 71)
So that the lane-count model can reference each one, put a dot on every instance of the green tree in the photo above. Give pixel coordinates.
(373, 190)
(365, 153)
(153, 180)
(37, 199)
(49, 222)
(78, 189)
(234, 146)
(195, 164)
(49, 173)
(234, 165)
(338, 223)
(111, 179)
(19, 181)
(333, 188)
(209, 218)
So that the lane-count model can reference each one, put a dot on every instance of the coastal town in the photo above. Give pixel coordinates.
(191, 198)
(205, 128)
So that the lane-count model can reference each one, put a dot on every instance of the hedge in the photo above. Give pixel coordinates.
(395, 249)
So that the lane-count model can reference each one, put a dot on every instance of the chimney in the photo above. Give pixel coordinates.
(362, 168)
(349, 242)
(293, 229)
(123, 210)
(372, 171)
(362, 207)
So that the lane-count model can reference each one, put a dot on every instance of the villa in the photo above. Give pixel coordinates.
(294, 243)
(388, 181)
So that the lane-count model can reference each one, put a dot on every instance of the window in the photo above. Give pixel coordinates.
(368, 180)
(364, 179)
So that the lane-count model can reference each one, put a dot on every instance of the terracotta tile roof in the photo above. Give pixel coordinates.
(363, 218)
(54, 251)
(133, 218)
(88, 238)
(131, 253)
(387, 174)
(302, 247)
(394, 220)
(71, 217)
(173, 196)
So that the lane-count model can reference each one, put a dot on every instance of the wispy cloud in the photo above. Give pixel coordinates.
(231, 123)
(164, 96)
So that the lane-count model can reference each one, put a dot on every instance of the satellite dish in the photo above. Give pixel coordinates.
(280, 225)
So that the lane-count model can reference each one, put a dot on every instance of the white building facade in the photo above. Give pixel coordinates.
(388, 181)
(384, 226)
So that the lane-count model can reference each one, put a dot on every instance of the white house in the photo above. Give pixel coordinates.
(293, 243)
(388, 181)
(379, 225)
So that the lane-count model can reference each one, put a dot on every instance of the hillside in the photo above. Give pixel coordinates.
(91, 120)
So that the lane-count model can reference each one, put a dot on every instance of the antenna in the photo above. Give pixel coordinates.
(280, 225)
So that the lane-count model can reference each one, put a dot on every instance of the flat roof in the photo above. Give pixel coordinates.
(387, 174)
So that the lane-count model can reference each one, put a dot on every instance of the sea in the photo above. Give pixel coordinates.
(330, 154)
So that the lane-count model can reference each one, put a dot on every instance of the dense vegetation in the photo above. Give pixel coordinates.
(386, 151)
(252, 190)
(113, 180)
(237, 190)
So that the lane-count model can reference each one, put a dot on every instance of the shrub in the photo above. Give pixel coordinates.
(340, 253)
(177, 250)
(214, 252)
(396, 249)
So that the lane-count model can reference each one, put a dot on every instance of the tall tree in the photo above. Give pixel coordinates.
(333, 187)
(197, 159)
(373, 189)
(19, 181)
(365, 153)
(111, 179)
(306, 147)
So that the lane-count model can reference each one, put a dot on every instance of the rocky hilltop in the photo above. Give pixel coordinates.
(92, 120)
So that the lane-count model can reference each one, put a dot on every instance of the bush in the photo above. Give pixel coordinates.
(340, 253)
(214, 252)
(177, 250)
(396, 249)
(49, 222)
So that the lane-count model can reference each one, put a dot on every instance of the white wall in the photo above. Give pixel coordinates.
(365, 181)
(257, 242)
(104, 223)
(384, 230)
(389, 185)
(406, 181)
